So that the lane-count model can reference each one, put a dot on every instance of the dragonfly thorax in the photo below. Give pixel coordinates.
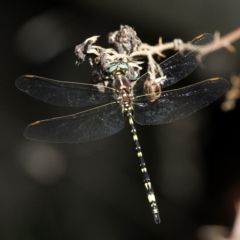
(123, 89)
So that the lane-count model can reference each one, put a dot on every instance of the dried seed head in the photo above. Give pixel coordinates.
(125, 40)
(85, 48)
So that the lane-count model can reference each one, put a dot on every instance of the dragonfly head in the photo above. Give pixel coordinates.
(117, 68)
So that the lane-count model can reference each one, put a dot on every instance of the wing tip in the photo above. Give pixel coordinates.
(215, 79)
(29, 131)
(19, 83)
(205, 34)
(29, 76)
(34, 123)
(224, 82)
(199, 36)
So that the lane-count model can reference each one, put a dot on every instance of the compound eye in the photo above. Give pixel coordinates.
(112, 69)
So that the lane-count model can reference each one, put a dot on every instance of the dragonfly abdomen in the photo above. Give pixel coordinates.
(146, 179)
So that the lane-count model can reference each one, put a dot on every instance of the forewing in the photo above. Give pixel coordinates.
(64, 93)
(181, 64)
(85, 126)
(179, 103)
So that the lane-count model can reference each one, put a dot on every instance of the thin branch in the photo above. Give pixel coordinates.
(232, 95)
(220, 232)
(226, 40)
(128, 48)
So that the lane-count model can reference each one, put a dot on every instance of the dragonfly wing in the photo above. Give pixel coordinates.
(182, 63)
(85, 126)
(179, 103)
(67, 94)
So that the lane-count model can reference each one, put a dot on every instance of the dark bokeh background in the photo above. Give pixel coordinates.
(94, 190)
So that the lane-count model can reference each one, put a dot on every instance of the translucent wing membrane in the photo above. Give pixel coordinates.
(179, 103)
(85, 126)
(182, 63)
(67, 94)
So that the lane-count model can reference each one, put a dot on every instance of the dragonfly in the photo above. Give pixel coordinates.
(139, 101)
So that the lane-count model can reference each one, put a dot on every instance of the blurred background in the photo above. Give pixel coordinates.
(94, 190)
